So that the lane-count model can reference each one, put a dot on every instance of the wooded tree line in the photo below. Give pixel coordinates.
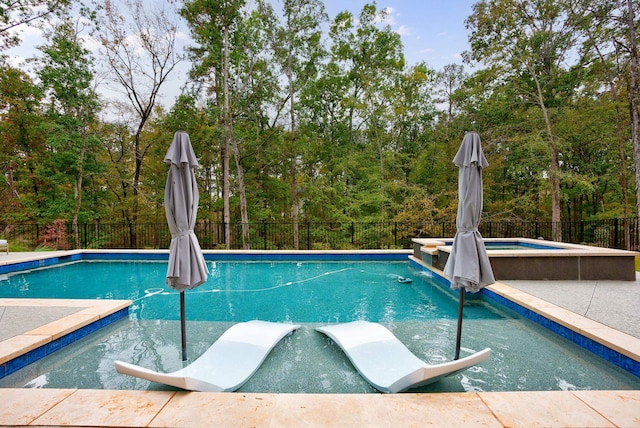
(296, 116)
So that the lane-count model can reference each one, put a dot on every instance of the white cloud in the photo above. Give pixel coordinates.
(16, 61)
(28, 31)
(453, 57)
(181, 35)
(403, 30)
(90, 43)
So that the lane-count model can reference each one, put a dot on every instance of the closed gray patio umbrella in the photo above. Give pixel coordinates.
(468, 266)
(187, 268)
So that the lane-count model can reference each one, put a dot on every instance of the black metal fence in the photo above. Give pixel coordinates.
(612, 233)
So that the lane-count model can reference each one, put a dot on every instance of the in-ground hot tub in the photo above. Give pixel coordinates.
(537, 259)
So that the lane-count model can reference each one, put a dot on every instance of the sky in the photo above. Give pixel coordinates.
(431, 30)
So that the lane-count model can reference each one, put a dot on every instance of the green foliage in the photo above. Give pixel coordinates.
(26, 12)
(331, 120)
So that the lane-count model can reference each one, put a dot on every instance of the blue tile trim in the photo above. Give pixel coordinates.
(306, 257)
(222, 256)
(591, 345)
(124, 256)
(15, 267)
(32, 356)
(33, 264)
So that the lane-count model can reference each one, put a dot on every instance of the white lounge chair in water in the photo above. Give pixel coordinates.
(227, 364)
(385, 362)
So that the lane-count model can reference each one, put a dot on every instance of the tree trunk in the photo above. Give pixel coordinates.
(76, 211)
(246, 244)
(11, 181)
(633, 98)
(622, 175)
(225, 145)
(554, 167)
(623, 165)
(230, 142)
(295, 208)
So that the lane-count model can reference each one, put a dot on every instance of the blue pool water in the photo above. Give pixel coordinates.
(422, 314)
(242, 291)
(514, 246)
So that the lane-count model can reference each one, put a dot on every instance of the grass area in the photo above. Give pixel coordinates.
(637, 264)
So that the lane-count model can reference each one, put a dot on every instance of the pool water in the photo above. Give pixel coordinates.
(241, 291)
(514, 246)
(422, 314)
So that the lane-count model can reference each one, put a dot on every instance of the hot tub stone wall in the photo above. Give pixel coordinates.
(620, 268)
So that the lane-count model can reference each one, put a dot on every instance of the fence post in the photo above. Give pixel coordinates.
(264, 234)
(395, 233)
(308, 235)
(581, 231)
(353, 233)
(615, 232)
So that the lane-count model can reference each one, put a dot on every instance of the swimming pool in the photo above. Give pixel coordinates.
(422, 314)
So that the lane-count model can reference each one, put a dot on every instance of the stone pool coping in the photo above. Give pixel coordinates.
(438, 244)
(73, 407)
(87, 316)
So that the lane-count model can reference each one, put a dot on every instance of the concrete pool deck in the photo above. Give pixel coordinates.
(594, 307)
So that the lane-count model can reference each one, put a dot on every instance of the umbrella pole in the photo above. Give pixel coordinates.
(183, 326)
(459, 333)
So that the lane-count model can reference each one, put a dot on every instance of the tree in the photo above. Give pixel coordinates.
(22, 145)
(298, 50)
(15, 13)
(371, 63)
(634, 90)
(616, 22)
(67, 79)
(448, 80)
(530, 40)
(411, 133)
(212, 23)
(140, 51)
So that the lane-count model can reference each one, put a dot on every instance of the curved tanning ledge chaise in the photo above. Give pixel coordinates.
(385, 362)
(227, 364)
